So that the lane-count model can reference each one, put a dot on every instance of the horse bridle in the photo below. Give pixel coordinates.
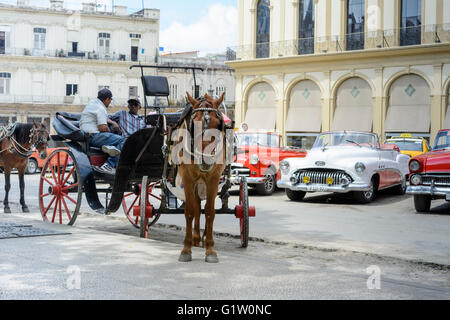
(38, 139)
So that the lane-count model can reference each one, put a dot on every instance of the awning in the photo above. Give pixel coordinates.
(412, 118)
(353, 118)
(261, 118)
(304, 119)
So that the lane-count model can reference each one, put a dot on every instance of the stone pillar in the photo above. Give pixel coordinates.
(378, 115)
(437, 114)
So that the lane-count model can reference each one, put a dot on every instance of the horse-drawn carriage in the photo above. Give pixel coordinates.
(147, 183)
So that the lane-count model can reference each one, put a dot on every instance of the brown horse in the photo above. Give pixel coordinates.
(15, 149)
(205, 114)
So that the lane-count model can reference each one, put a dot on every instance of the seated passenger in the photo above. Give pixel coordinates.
(94, 121)
(129, 121)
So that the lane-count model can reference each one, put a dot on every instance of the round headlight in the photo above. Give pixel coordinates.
(414, 165)
(254, 159)
(416, 179)
(360, 167)
(284, 167)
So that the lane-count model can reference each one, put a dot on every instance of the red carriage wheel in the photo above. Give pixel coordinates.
(244, 212)
(60, 190)
(132, 200)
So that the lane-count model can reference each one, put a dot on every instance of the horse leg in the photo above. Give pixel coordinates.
(196, 237)
(7, 188)
(210, 212)
(22, 189)
(189, 213)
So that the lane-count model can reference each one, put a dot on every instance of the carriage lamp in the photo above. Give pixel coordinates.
(414, 166)
(416, 179)
(254, 159)
(360, 167)
(284, 167)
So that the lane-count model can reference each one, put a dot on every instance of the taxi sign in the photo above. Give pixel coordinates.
(406, 135)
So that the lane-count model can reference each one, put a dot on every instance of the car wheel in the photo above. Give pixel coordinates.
(32, 166)
(295, 195)
(364, 197)
(268, 187)
(422, 203)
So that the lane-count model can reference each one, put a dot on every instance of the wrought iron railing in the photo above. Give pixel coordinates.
(416, 35)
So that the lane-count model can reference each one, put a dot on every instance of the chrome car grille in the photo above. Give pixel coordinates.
(320, 176)
(439, 180)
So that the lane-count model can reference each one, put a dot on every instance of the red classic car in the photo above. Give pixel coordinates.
(258, 158)
(430, 174)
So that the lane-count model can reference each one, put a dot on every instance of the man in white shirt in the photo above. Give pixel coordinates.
(94, 121)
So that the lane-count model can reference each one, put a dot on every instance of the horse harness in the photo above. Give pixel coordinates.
(35, 140)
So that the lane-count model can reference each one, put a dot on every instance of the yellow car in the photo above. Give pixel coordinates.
(409, 145)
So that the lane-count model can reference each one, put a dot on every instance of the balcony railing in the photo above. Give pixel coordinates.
(417, 35)
(84, 55)
(59, 100)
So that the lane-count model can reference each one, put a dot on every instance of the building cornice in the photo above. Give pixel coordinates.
(369, 54)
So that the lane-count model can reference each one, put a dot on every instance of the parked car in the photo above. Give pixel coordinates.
(258, 158)
(409, 145)
(430, 174)
(345, 161)
(35, 163)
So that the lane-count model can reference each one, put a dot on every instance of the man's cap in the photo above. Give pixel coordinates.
(104, 94)
(134, 99)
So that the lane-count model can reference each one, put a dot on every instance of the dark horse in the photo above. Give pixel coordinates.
(15, 148)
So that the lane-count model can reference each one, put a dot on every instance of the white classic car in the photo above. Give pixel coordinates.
(346, 161)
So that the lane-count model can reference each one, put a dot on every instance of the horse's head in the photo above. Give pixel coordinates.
(39, 137)
(205, 115)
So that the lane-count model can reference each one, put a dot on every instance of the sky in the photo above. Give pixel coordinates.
(209, 26)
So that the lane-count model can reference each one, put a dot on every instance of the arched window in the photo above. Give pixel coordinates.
(411, 22)
(306, 27)
(355, 24)
(263, 29)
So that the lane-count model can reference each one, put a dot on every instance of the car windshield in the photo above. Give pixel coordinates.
(442, 140)
(258, 139)
(405, 144)
(346, 139)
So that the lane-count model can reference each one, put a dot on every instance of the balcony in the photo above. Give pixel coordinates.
(81, 55)
(394, 38)
(54, 100)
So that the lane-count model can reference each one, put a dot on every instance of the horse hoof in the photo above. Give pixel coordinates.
(7, 210)
(185, 257)
(212, 258)
(25, 209)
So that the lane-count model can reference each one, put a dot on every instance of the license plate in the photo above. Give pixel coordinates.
(316, 188)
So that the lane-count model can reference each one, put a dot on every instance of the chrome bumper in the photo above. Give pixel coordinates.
(443, 192)
(323, 188)
(250, 180)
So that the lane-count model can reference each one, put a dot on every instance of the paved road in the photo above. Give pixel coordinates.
(387, 227)
(324, 248)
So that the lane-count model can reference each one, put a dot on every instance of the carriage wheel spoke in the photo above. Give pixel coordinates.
(59, 168)
(67, 209)
(60, 211)
(48, 181)
(70, 187)
(68, 176)
(53, 174)
(132, 205)
(65, 195)
(64, 169)
(54, 210)
(49, 206)
(45, 195)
